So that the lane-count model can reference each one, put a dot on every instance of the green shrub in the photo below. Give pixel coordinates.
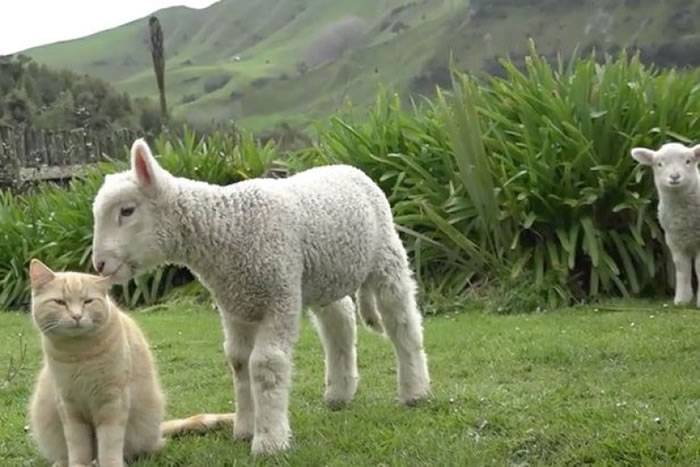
(216, 82)
(50, 223)
(55, 224)
(529, 173)
(521, 184)
(574, 204)
(409, 154)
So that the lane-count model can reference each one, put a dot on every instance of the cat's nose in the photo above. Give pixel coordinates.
(100, 265)
(77, 318)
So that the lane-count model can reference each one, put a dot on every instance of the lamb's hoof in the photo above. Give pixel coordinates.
(242, 428)
(337, 404)
(266, 445)
(414, 401)
(683, 299)
(338, 399)
(242, 435)
(415, 398)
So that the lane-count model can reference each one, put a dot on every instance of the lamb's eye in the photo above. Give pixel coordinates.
(126, 212)
(687, 161)
(58, 301)
(88, 301)
(659, 164)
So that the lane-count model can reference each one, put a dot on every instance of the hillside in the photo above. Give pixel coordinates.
(263, 62)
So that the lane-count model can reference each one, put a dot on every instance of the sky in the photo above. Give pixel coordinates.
(29, 23)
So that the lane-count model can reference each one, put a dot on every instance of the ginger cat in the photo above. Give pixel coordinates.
(97, 396)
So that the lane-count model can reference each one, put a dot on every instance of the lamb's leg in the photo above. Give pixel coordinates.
(697, 274)
(684, 287)
(238, 345)
(271, 372)
(402, 322)
(336, 326)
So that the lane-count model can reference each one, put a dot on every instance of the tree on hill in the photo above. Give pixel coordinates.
(158, 55)
(35, 95)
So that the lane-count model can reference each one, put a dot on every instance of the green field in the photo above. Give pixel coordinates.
(614, 385)
(404, 45)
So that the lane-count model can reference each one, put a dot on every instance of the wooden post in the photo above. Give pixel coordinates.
(30, 154)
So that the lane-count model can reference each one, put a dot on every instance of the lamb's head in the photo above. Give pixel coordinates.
(129, 213)
(674, 165)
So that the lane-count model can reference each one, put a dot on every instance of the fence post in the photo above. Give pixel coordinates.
(9, 162)
(46, 150)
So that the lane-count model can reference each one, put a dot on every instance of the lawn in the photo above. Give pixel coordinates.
(616, 385)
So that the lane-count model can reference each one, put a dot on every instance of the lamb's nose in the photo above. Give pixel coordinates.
(675, 177)
(100, 265)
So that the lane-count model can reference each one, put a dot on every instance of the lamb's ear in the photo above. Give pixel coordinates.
(145, 166)
(643, 155)
(39, 273)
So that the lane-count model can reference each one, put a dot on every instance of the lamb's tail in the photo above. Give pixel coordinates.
(196, 424)
(367, 309)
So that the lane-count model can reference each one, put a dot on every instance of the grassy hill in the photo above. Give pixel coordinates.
(263, 62)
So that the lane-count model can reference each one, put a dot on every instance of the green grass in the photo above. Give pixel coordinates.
(616, 385)
(272, 38)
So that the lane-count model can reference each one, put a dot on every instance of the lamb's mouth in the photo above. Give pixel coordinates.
(123, 273)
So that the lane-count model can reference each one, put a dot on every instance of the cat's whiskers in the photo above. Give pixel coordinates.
(50, 326)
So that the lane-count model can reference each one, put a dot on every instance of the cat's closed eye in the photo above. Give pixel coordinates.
(58, 301)
(88, 301)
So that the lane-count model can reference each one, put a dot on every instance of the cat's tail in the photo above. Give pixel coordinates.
(195, 424)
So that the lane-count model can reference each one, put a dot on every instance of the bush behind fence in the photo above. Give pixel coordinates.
(524, 181)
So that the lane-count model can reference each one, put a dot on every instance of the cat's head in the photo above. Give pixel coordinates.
(68, 304)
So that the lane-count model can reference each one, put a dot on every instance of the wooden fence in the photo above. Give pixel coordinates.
(30, 154)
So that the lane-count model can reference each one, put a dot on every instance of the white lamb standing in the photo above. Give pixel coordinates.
(678, 185)
(266, 249)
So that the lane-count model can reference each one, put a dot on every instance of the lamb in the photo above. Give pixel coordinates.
(267, 248)
(678, 185)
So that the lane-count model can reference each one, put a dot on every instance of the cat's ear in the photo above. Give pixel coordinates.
(104, 281)
(39, 273)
